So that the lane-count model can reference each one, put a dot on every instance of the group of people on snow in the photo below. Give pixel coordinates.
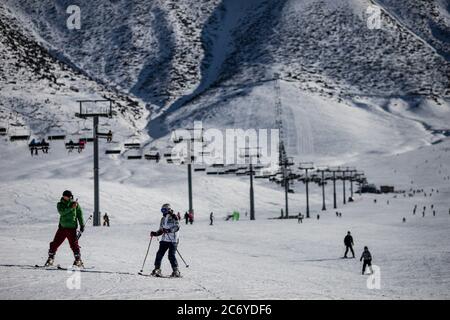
(71, 216)
(366, 256)
(188, 217)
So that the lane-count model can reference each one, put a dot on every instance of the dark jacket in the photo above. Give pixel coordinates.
(366, 256)
(348, 240)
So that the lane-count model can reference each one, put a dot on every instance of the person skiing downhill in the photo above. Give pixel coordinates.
(348, 241)
(367, 257)
(168, 228)
(70, 215)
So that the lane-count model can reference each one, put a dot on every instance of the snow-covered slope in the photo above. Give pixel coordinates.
(164, 50)
(261, 259)
(39, 93)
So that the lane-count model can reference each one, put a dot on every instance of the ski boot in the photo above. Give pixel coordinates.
(175, 274)
(50, 260)
(156, 272)
(78, 262)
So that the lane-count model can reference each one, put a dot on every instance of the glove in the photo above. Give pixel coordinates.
(82, 228)
(166, 230)
(153, 234)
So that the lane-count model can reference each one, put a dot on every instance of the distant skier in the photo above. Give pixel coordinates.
(318, 217)
(186, 217)
(348, 241)
(168, 228)
(211, 218)
(81, 144)
(179, 216)
(70, 215)
(337, 214)
(404, 219)
(367, 257)
(191, 217)
(300, 218)
(415, 208)
(106, 220)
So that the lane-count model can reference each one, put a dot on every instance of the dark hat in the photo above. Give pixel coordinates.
(67, 193)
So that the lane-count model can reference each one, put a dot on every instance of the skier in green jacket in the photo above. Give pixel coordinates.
(70, 215)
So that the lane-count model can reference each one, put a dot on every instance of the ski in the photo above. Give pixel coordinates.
(152, 276)
(45, 267)
(74, 268)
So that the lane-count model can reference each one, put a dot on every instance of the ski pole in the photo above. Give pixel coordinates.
(84, 225)
(187, 266)
(145, 259)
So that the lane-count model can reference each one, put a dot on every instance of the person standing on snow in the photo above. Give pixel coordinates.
(106, 220)
(168, 228)
(70, 215)
(211, 218)
(367, 257)
(186, 217)
(348, 241)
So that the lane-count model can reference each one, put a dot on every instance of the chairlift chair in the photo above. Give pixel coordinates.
(20, 136)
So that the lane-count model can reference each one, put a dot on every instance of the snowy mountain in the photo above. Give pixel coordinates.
(39, 92)
(203, 59)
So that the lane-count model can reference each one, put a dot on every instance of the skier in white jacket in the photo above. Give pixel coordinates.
(168, 228)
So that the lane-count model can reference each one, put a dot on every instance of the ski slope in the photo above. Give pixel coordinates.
(347, 100)
(261, 259)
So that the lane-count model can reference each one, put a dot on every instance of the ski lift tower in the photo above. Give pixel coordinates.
(352, 172)
(344, 177)
(90, 109)
(359, 178)
(306, 166)
(247, 154)
(322, 170)
(285, 163)
(190, 157)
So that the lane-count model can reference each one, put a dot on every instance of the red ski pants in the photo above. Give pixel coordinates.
(60, 236)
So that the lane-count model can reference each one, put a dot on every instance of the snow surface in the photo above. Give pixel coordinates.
(273, 259)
